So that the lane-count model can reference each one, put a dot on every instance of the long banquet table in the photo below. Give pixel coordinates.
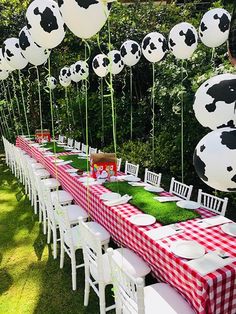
(214, 293)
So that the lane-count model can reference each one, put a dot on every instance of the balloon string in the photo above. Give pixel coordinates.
(153, 110)
(87, 46)
(102, 103)
(23, 102)
(7, 89)
(17, 102)
(80, 111)
(3, 126)
(40, 100)
(213, 58)
(71, 109)
(67, 110)
(131, 104)
(6, 123)
(182, 122)
(3, 90)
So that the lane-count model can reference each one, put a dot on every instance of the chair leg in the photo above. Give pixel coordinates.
(54, 234)
(87, 286)
(44, 223)
(102, 301)
(49, 233)
(73, 270)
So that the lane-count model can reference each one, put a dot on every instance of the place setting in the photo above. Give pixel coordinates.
(115, 199)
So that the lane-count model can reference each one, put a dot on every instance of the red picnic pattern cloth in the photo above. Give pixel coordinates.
(214, 293)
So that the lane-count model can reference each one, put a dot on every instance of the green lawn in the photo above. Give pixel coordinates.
(30, 279)
(77, 163)
(166, 213)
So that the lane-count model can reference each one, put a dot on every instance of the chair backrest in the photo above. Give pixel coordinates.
(92, 150)
(92, 248)
(129, 291)
(181, 189)
(99, 151)
(62, 218)
(213, 203)
(84, 148)
(77, 145)
(61, 138)
(118, 163)
(70, 142)
(131, 168)
(152, 178)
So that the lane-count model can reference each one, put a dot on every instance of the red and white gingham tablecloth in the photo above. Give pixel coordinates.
(214, 293)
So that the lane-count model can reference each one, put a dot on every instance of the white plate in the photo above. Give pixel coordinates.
(230, 229)
(87, 179)
(58, 161)
(71, 170)
(154, 189)
(142, 220)
(131, 178)
(110, 196)
(188, 249)
(188, 204)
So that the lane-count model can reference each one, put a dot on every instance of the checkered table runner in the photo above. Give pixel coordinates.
(214, 293)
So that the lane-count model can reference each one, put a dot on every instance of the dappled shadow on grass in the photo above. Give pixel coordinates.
(5, 280)
(40, 244)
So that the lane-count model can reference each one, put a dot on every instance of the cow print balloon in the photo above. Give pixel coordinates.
(116, 63)
(130, 52)
(154, 47)
(215, 159)
(65, 74)
(79, 71)
(214, 27)
(183, 40)
(45, 23)
(12, 54)
(215, 102)
(3, 74)
(3, 63)
(85, 18)
(64, 82)
(101, 65)
(51, 82)
(32, 52)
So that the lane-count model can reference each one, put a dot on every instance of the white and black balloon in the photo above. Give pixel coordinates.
(79, 71)
(215, 102)
(65, 74)
(215, 159)
(214, 27)
(183, 40)
(130, 52)
(116, 63)
(85, 18)
(12, 54)
(32, 52)
(63, 82)
(3, 63)
(100, 65)
(45, 23)
(154, 47)
(51, 82)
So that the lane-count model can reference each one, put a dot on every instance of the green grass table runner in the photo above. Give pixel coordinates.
(77, 163)
(165, 213)
(59, 149)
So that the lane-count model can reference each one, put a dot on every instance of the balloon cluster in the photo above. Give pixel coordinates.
(215, 155)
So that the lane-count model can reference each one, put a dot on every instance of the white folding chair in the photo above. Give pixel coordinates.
(61, 139)
(180, 189)
(97, 268)
(84, 148)
(70, 142)
(152, 178)
(131, 169)
(118, 163)
(92, 150)
(71, 239)
(132, 297)
(77, 145)
(213, 203)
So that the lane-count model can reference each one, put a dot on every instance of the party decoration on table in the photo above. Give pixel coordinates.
(51, 82)
(32, 52)
(154, 47)
(12, 54)
(79, 71)
(214, 27)
(100, 65)
(45, 23)
(85, 18)
(183, 40)
(232, 38)
(130, 52)
(215, 102)
(116, 63)
(3, 74)
(215, 159)
(4, 64)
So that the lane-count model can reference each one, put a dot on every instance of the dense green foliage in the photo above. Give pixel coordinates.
(165, 213)
(173, 80)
